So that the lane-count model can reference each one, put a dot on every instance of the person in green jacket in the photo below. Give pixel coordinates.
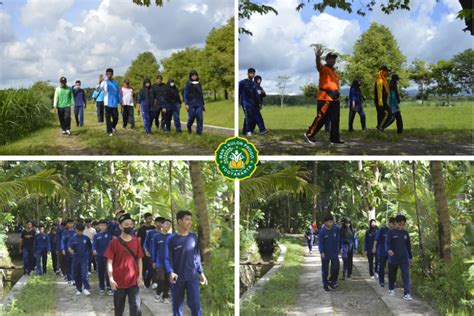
(63, 101)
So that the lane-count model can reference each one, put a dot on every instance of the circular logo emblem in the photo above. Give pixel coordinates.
(236, 158)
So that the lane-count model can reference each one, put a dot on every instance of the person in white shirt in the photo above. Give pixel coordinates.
(128, 105)
(90, 231)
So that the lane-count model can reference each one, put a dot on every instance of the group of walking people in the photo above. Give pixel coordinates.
(124, 257)
(389, 245)
(154, 100)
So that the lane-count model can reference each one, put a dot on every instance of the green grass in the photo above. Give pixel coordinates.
(93, 140)
(456, 118)
(37, 297)
(279, 294)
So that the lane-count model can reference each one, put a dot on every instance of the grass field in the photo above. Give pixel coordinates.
(93, 140)
(427, 130)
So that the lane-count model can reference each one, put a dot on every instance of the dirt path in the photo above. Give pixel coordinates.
(95, 305)
(358, 296)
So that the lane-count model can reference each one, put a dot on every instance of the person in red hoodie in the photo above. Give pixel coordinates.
(124, 266)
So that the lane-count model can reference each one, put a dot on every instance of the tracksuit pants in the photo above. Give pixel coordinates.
(173, 113)
(258, 121)
(334, 270)
(128, 116)
(102, 272)
(352, 114)
(196, 113)
(111, 118)
(192, 291)
(41, 261)
(68, 266)
(64, 115)
(310, 242)
(382, 260)
(392, 276)
(163, 282)
(80, 270)
(249, 118)
(120, 296)
(328, 110)
(100, 111)
(396, 116)
(370, 258)
(79, 115)
(54, 259)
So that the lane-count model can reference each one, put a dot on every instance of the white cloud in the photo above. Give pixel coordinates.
(43, 14)
(112, 35)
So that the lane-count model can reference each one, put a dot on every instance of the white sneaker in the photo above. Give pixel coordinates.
(407, 297)
(86, 292)
(249, 134)
(372, 277)
(69, 282)
(154, 286)
(391, 293)
(63, 132)
(157, 298)
(111, 134)
(78, 293)
(165, 301)
(308, 140)
(68, 132)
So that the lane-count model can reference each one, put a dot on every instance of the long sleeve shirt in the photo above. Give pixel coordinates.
(82, 246)
(100, 242)
(63, 97)
(42, 243)
(329, 242)
(398, 241)
(248, 93)
(369, 240)
(380, 237)
(182, 256)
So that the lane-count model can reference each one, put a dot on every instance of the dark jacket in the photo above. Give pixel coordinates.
(193, 95)
(79, 97)
(147, 98)
(160, 95)
(173, 99)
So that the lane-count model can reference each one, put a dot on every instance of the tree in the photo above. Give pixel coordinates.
(420, 73)
(144, 66)
(462, 71)
(179, 65)
(199, 196)
(444, 225)
(219, 51)
(443, 78)
(375, 47)
(310, 91)
(281, 85)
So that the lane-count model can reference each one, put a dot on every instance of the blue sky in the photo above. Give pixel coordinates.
(428, 31)
(79, 39)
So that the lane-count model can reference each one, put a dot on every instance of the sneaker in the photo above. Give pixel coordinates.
(332, 286)
(157, 298)
(308, 140)
(372, 277)
(248, 134)
(382, 284)
(327, 289)
(78, 293)
(88, 273)
(101, 292)
(154, 286)
(114, 130)
(264, 132)
(407, 297)
(86, 292)
(391, 293)
(165, 301)
(110, 292)
(68, 132)
(348, 277)
(63, 132)
(111, 134)
(73, 283)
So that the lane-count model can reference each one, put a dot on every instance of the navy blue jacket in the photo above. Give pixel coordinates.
(42, 242)
(79, 97)
(329, 242)
(113, 229)
(369, 240)
(53, 241)
(248, 93)
(381, 237)
(66, 236)
(193, 95)
(399, 242)
(158, 244)
(81, 245)
(182, 256)
(100, 242)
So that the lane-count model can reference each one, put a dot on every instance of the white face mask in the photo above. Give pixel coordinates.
(172, 84)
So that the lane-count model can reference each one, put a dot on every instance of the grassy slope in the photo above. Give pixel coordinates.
(271, 300)
(93, 140)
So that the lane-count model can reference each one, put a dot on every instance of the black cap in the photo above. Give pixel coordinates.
(124, 217)
(331, 55)
(103, 221)
(63, 80)
(385, 68)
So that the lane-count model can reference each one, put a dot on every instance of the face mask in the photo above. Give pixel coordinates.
(172, 84)
(127, 230)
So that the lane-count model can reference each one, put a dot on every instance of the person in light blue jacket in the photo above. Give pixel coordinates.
(98, 96)
(112, 99)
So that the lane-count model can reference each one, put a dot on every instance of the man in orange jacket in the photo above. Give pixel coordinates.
(328, 99)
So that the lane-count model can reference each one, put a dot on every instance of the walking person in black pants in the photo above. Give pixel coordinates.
(370, 234)
(349, 244)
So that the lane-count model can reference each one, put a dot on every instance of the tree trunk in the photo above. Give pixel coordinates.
(421, 237)
(199, 196)
(215, 95)
(315, 196)
(226, 94)
(115, 202)
(441, 202)
(151, 184)
(170, 168)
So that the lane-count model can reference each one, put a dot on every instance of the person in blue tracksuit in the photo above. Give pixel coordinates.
(328, 244)
(158, 244)
(149, 272)
(309, 239)
(80, 246)
(99, 245)
(356, 99)
(183, 264)
(42, 248)
(98, 97)
(80, 103)
(379, 249)
(27, 247)
(65, 237)
(59, 236)
(399, 256)
(370, 234)
(250, 100)
(349, 245)
(147, 100)
(257, 110)
(194, 102)
(173, 106)
(54, 248)
(112, 99)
